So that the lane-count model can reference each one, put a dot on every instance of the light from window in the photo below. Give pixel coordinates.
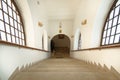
(79, 42)
(111, 33)
(11, 27)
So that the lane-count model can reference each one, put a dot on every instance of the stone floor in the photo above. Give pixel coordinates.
(64, 69)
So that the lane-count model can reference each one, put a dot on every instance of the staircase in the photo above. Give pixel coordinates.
(64, 69)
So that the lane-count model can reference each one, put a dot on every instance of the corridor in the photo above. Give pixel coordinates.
(64, 69)
(59, 39)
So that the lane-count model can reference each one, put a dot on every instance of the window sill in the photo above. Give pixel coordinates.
(99, 48)
(21, 46)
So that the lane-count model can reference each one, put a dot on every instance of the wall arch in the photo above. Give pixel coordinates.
(99, 22)
(45, 40)
(76, 39)
(64, 35)
(27, 20)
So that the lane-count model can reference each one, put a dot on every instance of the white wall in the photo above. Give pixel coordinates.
(99, 22)
(109, 57)
(27, 20)
(87, 10)
(76, 39)
(45, 36)
(13, 57)
(91, 34)
(38, 13)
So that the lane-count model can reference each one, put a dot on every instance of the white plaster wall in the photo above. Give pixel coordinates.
(13, 57)
(109, 57)
(91, 35)
(76, 39)
(99, 22)
(45, 40)
(38, 14)
(27, 20)
(87, 10)
(67, 28)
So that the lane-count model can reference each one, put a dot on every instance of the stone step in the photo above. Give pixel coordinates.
(64, 69)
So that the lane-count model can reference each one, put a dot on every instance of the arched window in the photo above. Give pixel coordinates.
(43, 41)
(79, 42)
(11, 26)
(111, 31)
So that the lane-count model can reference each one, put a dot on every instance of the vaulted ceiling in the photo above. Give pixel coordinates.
(62, 8)
(59, 9)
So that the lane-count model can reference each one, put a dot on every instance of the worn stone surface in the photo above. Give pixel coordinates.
(64, 69)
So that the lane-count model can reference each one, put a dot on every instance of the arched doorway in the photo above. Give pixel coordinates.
(60, 46)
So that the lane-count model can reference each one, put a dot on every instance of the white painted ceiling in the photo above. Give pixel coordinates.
(61, 9)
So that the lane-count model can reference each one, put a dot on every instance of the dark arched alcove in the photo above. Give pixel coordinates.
(60, 45)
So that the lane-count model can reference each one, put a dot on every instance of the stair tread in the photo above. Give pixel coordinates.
(63, 69)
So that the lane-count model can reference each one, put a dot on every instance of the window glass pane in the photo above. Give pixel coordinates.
(3, 36)
(17, 40)
(115, 21)
(12, 31)
(4, 6)
(13, 39)
(23, 42)
(0, 5)
(15, 24)
(19, 27)
(9, 2)
(0, 35)
(20, 35)
(10, 11)
(103, 41)
(1, 15)
(104, 35)
(18, 18)
(118, 3)
(108, 32)
(119, 19)
(5, 0)
(2, 26)
(16, 32)
(113, 30)
(117, 37)
(20, 41)
(106, 25)
(111, 39)
(110, 23)
(107, 40)
(11, 21)
(9, 37)
(6, 18)
(116, 11)
(111, 15)
(7, 28)
(13, 7)
(118, 29)
(14, 15)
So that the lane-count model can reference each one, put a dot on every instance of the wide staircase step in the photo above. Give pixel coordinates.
(64, 69)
